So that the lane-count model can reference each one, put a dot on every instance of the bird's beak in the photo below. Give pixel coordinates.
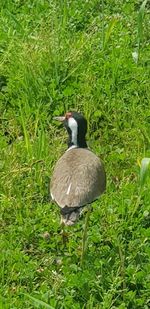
(60, 118)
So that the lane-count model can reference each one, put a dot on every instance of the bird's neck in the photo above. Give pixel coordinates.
(79, 142)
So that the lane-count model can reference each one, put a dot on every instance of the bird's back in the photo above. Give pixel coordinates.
(78, 178)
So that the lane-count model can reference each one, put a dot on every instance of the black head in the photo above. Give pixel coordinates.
(76, 126)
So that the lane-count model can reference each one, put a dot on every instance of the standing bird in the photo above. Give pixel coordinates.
(79, 177)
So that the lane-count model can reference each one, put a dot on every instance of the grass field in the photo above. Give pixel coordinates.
(93, 57)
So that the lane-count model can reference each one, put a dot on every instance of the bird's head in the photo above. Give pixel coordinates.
(76, 126)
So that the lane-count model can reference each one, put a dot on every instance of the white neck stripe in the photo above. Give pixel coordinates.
(72, 124)
(72, 147)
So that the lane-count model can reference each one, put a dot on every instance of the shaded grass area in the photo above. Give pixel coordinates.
(92, 57)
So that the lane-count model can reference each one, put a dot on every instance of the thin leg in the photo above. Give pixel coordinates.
(84, 239)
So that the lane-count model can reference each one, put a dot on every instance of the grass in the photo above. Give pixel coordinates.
(90, 56)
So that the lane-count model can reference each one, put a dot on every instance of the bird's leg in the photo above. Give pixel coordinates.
(84, 239)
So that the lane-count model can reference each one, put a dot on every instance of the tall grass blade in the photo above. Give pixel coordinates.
(103, 33)
(145, 170)
(140, 19)
(140, 22)
(25, 131)
(84, 239)
(38, 302)
(110, 30)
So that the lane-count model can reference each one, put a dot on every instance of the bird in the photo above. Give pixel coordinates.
(79, 177)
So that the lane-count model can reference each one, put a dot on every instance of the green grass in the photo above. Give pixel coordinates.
(93, 57)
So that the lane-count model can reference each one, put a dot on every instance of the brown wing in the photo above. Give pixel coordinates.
(78, 178)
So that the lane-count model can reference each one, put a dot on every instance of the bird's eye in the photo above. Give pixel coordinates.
(68, 115)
